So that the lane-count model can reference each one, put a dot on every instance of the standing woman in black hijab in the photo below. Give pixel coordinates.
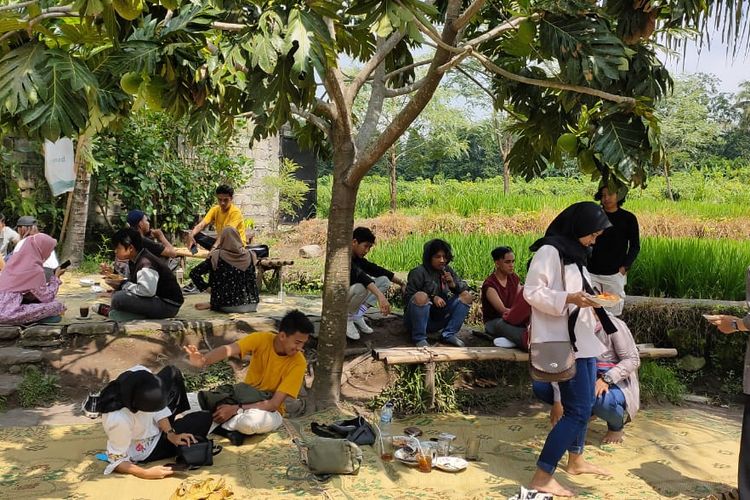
(138, 410)
(561, 310)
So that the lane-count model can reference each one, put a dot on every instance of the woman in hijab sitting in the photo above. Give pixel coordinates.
(25, 294)
(138, 413)
(231, 276)
(557, 288)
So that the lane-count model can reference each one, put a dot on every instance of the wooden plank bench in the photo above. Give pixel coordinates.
(429, 356)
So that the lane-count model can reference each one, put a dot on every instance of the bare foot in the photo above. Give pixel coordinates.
(202, 306)
(580, 466)
(547, 484)
(613, 437)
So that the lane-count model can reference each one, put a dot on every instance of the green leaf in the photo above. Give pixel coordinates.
(128, 9)
(264, 54)
(619, 141)
(19, 76)
(298, 38)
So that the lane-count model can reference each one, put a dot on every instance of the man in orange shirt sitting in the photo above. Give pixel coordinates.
(223, 214)
(277, 368)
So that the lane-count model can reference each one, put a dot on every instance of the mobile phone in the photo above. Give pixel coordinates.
(194, 249)
(177, 467)
(65, 264)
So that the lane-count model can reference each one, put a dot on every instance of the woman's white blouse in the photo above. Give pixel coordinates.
(545, 293)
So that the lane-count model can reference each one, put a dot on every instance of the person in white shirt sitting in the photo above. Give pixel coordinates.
(138, 414)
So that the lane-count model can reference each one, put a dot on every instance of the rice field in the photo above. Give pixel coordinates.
(708, 196)
(666, 267)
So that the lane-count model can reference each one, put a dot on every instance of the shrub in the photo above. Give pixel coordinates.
(212, 377)
(660, 383)
(408, 392)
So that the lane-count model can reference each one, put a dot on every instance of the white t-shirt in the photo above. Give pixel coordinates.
(6, 236)
(131, 437)
(50, 263)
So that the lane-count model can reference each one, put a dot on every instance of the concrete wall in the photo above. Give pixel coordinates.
(253, 198)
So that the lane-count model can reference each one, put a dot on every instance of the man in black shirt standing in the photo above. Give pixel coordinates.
(368, 283)
(616, 249)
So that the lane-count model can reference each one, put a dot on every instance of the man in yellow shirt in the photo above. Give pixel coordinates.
(277, 367)
(224, 214)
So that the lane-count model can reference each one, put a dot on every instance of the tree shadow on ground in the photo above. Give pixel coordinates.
(671, 483)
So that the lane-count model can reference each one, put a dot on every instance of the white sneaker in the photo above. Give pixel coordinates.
(351, 330)
(363, 327)
(503, 342)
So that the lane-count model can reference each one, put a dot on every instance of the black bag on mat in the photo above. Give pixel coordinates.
(198, 454)
(357, 430)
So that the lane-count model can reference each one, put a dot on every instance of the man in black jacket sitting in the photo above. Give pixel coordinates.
(151, 291)
(368, 283)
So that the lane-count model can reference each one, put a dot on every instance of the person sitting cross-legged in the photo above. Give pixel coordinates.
(231, 276)
(277, 369)
(151, 291)
(25, 294)
(368, 283)
(616, 389)
(436, 298)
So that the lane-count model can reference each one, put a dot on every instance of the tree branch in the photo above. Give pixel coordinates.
(406, 89)
(416, 104)
(323, 108)
(315, 120)
(14, 6)
(228, 26)
(455, 61)
(470, 12)
(334, 85)
(406, 68)
(498, 30)
(553, 84)
(374, 108)
(383, 50)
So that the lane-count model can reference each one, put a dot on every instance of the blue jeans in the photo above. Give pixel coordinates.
(421, 319)
(610, 406)
(569, 434)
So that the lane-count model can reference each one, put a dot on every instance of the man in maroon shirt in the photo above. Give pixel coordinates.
(500, 292)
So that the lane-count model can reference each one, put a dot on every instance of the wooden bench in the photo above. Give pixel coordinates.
(429, 356)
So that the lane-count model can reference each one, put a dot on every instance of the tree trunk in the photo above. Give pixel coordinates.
(326, 388)
(75, 229)
(392, 160)
(506, 177)
(668, 183)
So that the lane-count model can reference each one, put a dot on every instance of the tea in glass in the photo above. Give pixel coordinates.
(386, 448)
(424, 461)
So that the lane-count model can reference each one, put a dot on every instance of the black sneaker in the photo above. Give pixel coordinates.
(90, 406)
(235, 437)
(190, 289)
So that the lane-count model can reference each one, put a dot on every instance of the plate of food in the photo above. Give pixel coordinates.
(450, 464)
(401, 441)
(605, 299)
(86, 282)
(405, 456)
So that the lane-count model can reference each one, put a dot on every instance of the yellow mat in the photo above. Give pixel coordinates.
(679, 453)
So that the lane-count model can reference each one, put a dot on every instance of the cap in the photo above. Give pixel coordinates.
(134, 217)
(26, 220)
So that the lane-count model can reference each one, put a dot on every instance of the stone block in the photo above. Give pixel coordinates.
(310, 251)
(92, 329)
(16, 356)
(42, 332)
(141, 327)
(49, 342)
(9, 384)
(9, 332)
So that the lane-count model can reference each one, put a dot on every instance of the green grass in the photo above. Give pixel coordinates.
(215, 375)
(667, 267)
(37, 388)
(660, 383)
(708, 195)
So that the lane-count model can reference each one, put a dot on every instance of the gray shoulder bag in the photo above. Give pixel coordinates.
(552, 361)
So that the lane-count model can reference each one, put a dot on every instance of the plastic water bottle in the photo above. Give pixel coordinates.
(386, 416)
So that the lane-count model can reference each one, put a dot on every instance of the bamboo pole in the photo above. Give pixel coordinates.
(414, 355)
